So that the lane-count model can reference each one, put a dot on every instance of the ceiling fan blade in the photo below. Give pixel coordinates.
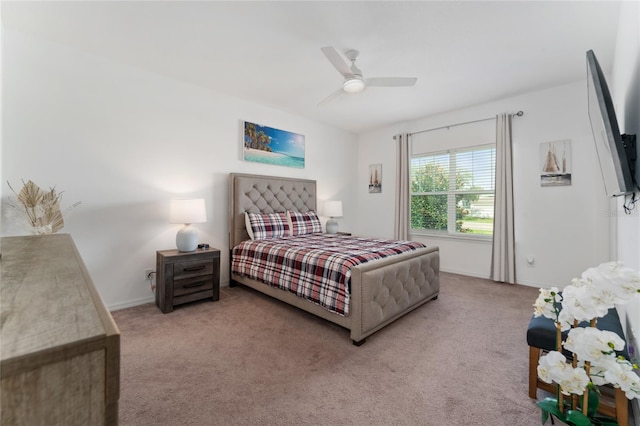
(331, 97)
(338, 60)
(390, 81)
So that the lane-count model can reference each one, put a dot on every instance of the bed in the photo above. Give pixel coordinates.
(381, 290)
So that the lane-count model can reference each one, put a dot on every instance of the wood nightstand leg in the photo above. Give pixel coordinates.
(622, 408)
(534, 357)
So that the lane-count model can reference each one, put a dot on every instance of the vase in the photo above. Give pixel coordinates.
(43, 230)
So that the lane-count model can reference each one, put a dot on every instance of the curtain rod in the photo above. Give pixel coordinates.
(517, 114)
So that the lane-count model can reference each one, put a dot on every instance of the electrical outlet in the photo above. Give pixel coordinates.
(531, 261)
(148, 274)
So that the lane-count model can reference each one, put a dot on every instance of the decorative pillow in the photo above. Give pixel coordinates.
(261, 226)
(247, 225)
(304, 223)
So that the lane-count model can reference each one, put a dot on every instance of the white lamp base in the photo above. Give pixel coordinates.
(187, 238)
(332, 226)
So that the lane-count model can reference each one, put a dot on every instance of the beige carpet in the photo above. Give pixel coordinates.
(252, 360)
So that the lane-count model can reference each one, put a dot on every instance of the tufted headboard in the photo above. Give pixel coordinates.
(265, 194)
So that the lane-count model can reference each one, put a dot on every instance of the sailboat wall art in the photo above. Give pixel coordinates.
(375, 178)
(555, 159)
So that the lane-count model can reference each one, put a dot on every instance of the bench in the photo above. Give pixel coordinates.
(541, 337)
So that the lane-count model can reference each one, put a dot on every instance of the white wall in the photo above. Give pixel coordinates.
(564, 228)
(625, 88)
(124, 142)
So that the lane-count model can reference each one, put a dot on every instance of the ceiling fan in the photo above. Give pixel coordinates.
(354, 82)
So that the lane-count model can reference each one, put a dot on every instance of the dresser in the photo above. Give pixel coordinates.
(60, 353)
(186, 277)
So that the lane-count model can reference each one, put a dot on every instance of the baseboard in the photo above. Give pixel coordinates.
(467, 273)
(531, 284)
(131, 303)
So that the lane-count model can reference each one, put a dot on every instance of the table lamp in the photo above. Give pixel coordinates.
(332, 209)
(187, 211)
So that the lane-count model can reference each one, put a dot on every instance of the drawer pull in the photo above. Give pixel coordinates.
(194, 268)
(192, 285)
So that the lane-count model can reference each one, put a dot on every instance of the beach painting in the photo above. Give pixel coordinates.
(267, 145)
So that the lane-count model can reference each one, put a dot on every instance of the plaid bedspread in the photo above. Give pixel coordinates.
(316, 267)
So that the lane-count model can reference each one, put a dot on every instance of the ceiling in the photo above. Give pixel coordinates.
(463, 53)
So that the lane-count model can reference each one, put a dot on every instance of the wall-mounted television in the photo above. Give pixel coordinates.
(616, 152)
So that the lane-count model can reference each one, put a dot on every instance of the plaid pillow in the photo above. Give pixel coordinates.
(304, 223)
(261, 226)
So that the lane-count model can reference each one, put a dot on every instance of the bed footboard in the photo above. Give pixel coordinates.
(384, 290)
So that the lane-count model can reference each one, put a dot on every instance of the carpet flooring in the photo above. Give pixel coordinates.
(252, 360)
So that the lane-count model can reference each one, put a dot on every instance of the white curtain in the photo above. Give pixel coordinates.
(503, 264)
(402, 203)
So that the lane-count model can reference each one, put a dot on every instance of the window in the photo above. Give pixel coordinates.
(452, 192)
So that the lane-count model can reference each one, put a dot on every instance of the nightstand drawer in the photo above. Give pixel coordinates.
(192, 285)
(197, 267)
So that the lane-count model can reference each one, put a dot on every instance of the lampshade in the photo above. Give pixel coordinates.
(187, 211)
(332, 208)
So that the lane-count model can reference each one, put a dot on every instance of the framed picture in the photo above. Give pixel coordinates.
(555, 163)
(267, 145)
(375, 178)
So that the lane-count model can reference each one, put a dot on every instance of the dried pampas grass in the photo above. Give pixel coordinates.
(42, 209)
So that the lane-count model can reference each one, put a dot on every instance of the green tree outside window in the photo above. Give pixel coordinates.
(458, 184)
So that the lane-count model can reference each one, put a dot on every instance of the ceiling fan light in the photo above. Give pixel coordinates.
(353, 85)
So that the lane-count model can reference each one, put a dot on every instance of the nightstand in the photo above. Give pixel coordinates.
(186, 277)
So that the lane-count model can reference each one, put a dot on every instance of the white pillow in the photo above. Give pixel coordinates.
(247, 224)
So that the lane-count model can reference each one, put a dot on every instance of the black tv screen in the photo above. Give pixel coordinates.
(612, 153)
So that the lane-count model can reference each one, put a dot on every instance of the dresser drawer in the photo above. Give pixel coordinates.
(192, 285)
(192, 268)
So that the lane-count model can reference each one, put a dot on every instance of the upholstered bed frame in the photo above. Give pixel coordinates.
(381, 291)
